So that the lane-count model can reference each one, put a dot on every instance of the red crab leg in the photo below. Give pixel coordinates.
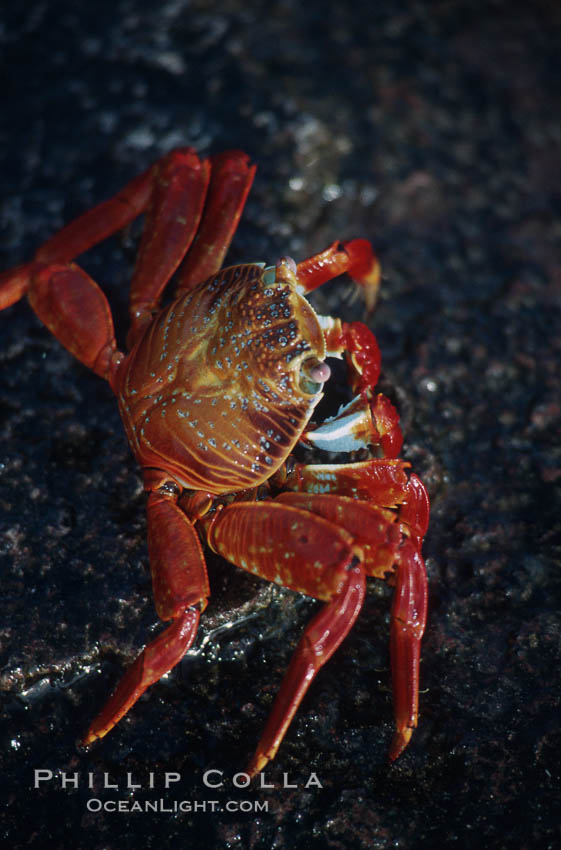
(80, 235)
(99, 222)
(408, 619)
(180, 592)
(231, 181)
(414, 511)
(321, 638)
(380, 480)
(355, 258)
(359, 424)
(14, 283)
(180, 182)
(374, 529)
(174, 190)
(190, 219)
(173, 193)
(76, 311)
(306, 553)
(378, 535)
(154, 661)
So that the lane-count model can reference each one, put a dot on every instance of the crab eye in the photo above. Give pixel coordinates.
(313, 374)
(285, 270)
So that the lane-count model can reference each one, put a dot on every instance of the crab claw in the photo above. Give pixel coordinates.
(386, 422)
(358, 425)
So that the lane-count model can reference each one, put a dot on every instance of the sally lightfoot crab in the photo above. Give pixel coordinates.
(215, 391)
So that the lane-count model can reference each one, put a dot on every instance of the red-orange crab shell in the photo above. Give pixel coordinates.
(226, 397)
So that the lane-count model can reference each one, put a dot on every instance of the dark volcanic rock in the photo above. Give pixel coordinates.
(433, 130)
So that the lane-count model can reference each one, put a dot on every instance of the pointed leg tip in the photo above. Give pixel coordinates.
(257, 763)
(86, 742)
(365, 270)
(400, 741)
(369, 283)
(94, 734)
(83, 745)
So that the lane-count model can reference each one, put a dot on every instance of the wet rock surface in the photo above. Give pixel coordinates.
(433, 130)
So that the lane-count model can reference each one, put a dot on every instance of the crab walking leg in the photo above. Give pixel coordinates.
(306, 553)
(408, 619)
(385, 483)
(321, 638)
(380, 480)
(386, 554)
(154, 661)
(84, 232)
(376, 530)
(76, 311)
(113, 215)
(415, 510)
(179, 188)
(231, 179)
(181, 590)
(378, 483)
(14, 283)
(99, 222)
(355, 258)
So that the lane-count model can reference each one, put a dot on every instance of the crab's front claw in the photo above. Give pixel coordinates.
(386, 422)
(365, 360)
(358, 425)
(359, 344)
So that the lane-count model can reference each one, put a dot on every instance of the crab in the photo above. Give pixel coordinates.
(216, 390)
